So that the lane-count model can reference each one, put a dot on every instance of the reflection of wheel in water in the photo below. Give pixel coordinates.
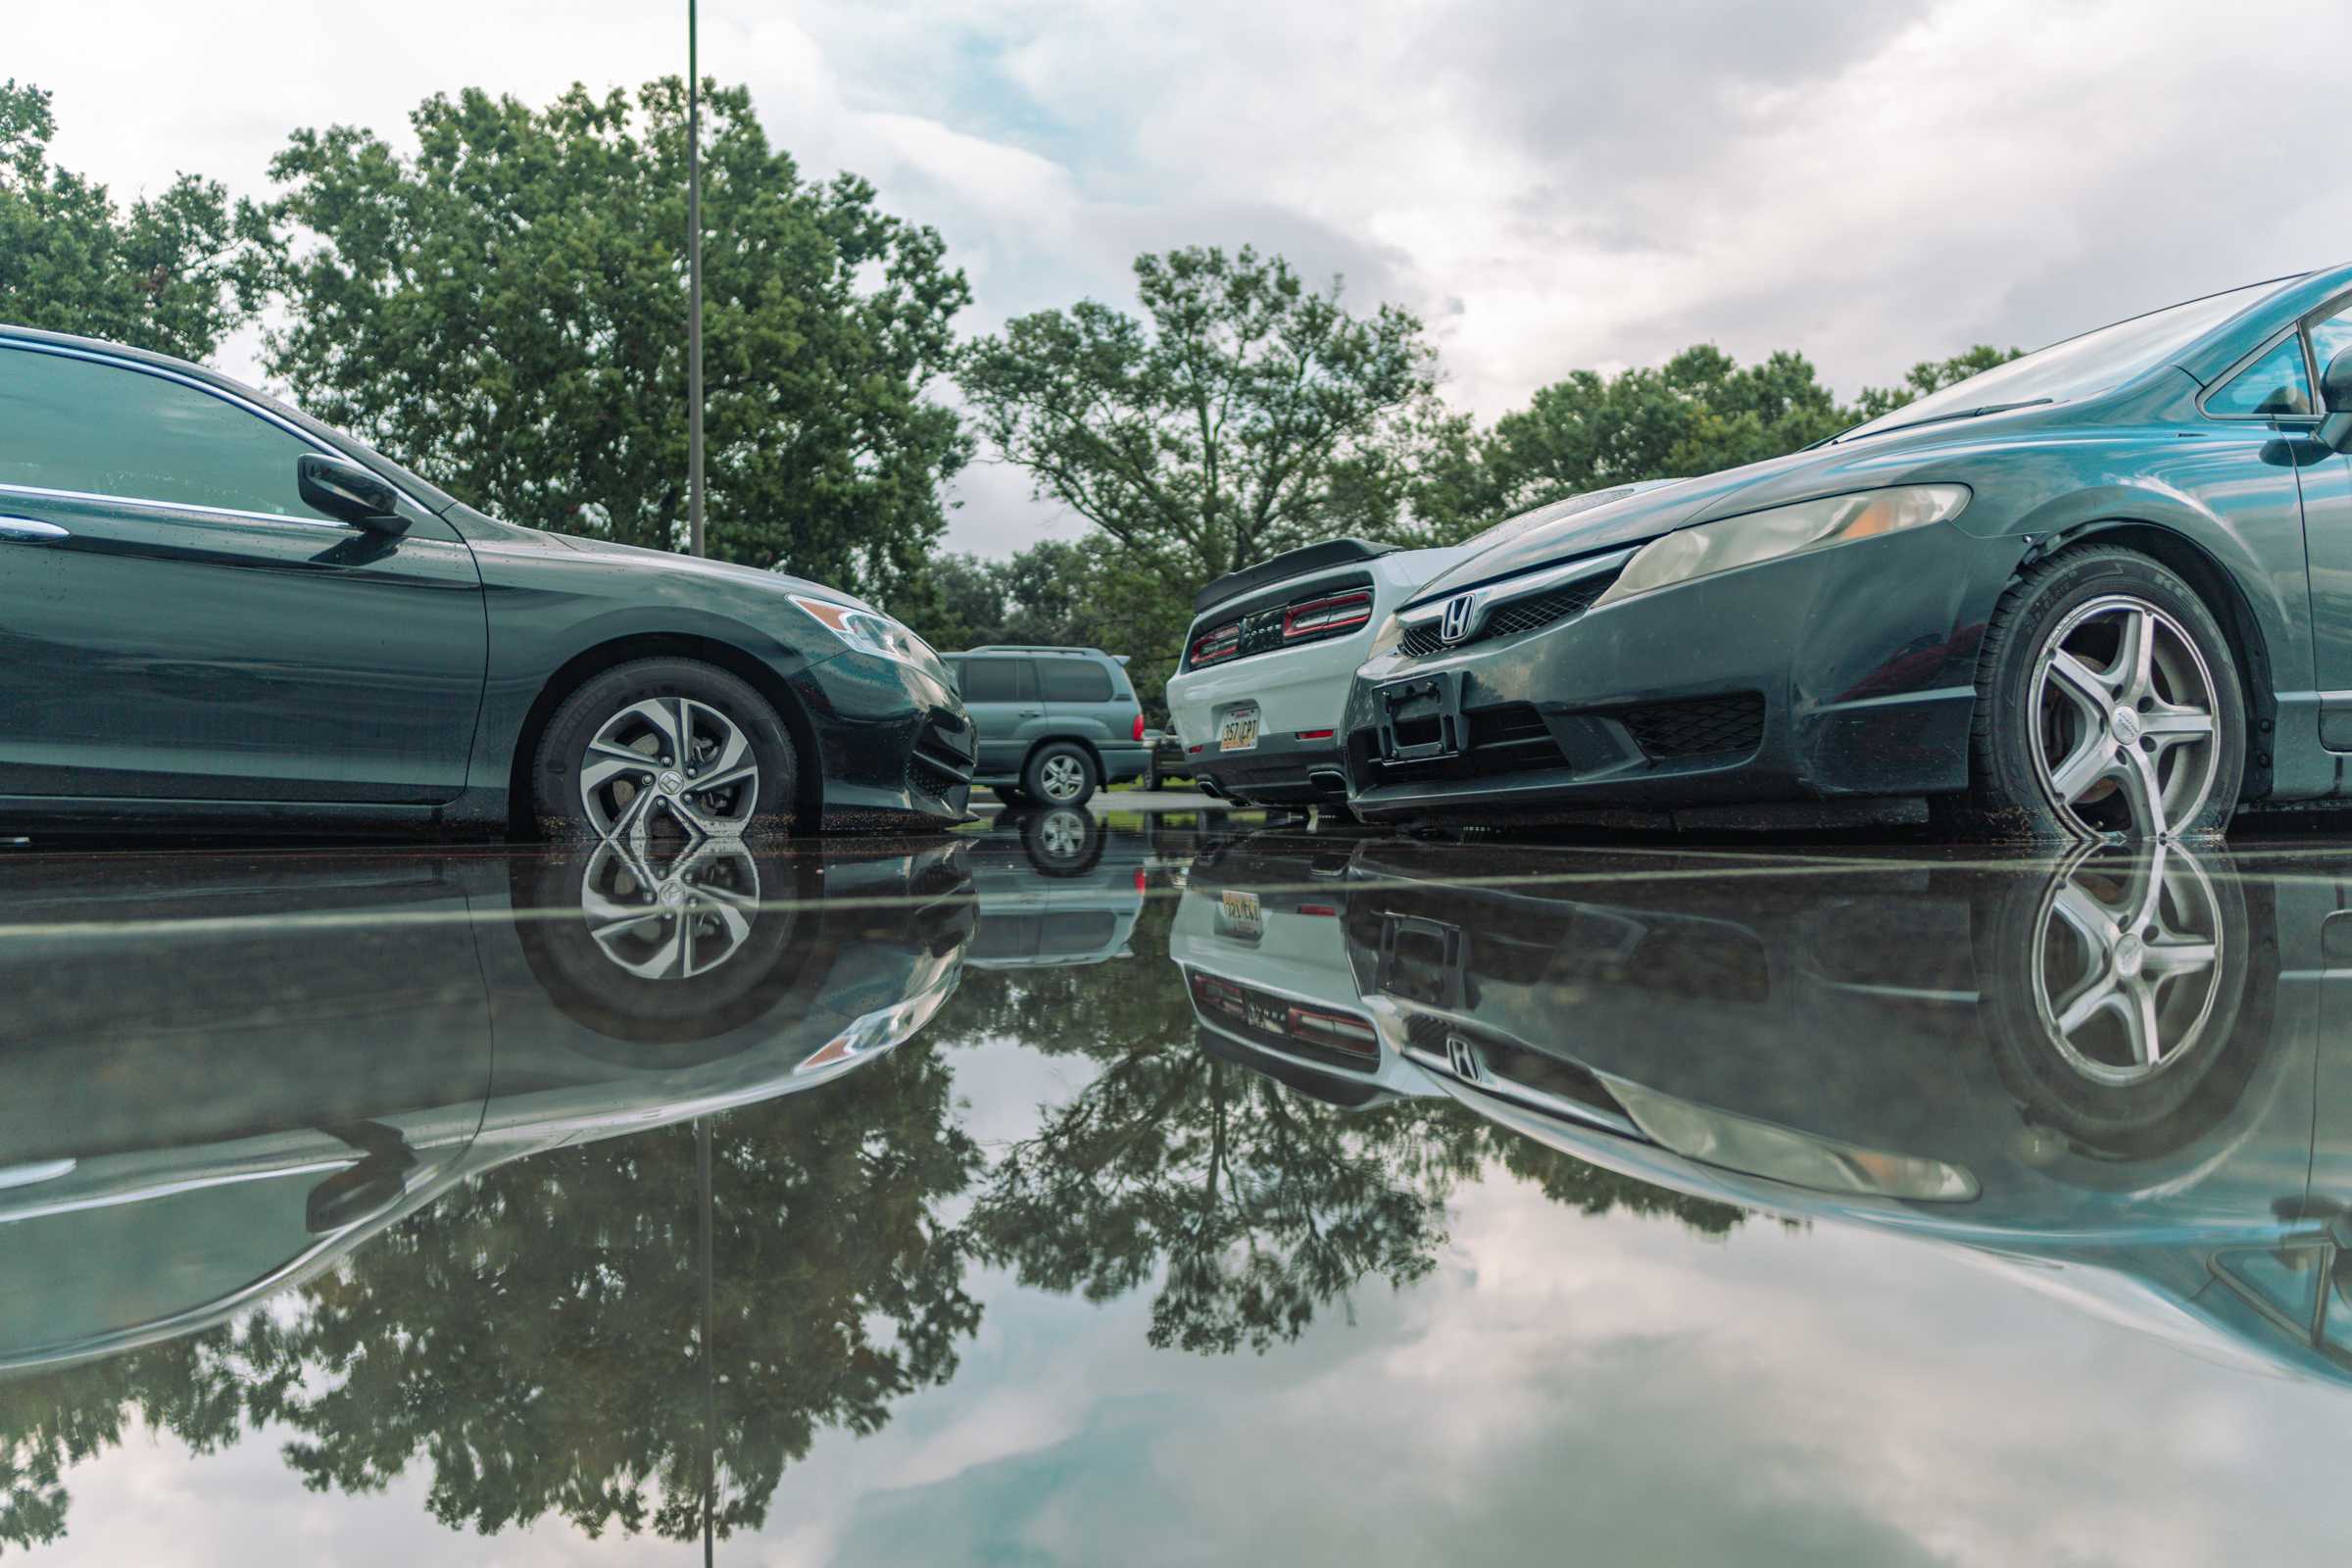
(2124, 1001)
(1062, 842)
(666, 950)
(685, 918)
(2126, 966)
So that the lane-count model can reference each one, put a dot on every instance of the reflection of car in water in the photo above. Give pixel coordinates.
(1264, 956)
(2127, 1077)
(226, 1071)
(1056, 887)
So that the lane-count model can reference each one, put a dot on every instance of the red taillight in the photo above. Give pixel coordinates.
(1222, 643)
(1335, 1029)
(1315, 734)
(1329, 910)
(1139, 725)
(1142, 884)
(1194, 751)
(1318, 616)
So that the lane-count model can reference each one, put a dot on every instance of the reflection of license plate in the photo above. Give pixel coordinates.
(1240, 731)
(1241, 913)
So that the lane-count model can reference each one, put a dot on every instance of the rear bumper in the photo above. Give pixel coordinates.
(1847, 674)
(1280, 770)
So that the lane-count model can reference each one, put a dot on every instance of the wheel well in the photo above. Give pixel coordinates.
(594, 662)
(2230, 606)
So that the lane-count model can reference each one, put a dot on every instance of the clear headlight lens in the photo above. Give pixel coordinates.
(883, 1028)
(1777, 1153)
(1391, 633)
(870, 631)
(1714, 546)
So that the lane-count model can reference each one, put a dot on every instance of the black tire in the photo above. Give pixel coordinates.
(2008, 798)
(1053, 762)
(1152, 777)
(556, 800)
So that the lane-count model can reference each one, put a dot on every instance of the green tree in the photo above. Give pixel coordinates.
(505, 311)
(174, 273)
(1930, 376)
(1244, 413)
(1699, 411)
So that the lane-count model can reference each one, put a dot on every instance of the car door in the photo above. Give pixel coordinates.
(176, 623)
(1001, 694)
(2326, 482)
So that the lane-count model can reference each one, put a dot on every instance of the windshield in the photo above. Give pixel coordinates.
(2077, 365)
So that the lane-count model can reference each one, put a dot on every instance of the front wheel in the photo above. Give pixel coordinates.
(665, 748)
(2108, 705)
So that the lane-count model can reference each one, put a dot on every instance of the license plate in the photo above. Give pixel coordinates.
(1239, 733)
(1420, 718)
(1242, 919)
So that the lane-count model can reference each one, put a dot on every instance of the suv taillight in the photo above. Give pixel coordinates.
(1319, 617)
(1139, 723)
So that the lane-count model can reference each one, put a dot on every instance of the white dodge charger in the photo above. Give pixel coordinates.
(1258, 696)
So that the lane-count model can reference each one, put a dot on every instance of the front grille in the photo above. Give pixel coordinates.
(1705, 727)
(1513, 1064)
(938, 766)
(1514, 617)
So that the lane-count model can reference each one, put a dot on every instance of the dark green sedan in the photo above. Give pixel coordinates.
(217, 614)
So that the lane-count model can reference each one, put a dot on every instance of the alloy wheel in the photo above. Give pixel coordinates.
(1062, 835)
(670, 918)
(2125, 720)
(669, 765)
(2127, 963)
(1063, 777)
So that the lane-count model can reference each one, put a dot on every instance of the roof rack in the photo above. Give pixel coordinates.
(1036, 648)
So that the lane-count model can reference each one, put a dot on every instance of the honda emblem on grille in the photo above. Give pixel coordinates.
(1462, 1058)
(1455, 624)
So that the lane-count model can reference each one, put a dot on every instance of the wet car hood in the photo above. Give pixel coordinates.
(1634, 520)
(691, 566)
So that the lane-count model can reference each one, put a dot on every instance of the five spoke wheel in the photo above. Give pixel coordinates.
(669, 763)
(2123, 720)
(2126, 962)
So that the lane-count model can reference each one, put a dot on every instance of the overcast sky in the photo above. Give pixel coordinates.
(1550, 185)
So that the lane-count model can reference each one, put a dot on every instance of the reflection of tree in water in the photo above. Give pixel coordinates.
(1262, 1205)
(537, 1333)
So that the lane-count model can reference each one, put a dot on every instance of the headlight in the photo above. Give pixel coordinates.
(870, 631)
(883, 1028)
(1777, 1153)
(1391, 633)
(1714, 546)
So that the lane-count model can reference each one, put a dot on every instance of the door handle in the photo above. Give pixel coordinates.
(1033, 713)
(32, 530)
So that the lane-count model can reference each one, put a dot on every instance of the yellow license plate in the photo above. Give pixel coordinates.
(1239, 733)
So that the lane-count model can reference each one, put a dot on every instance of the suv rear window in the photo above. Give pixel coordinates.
(1073, 680)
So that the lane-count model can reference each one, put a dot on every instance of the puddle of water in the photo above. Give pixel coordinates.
(1074, 1189)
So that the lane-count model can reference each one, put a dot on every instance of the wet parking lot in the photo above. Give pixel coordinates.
(1176, 1188)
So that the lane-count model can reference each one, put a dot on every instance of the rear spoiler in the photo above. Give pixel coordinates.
(1292, 564)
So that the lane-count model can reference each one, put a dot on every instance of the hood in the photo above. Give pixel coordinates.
(1630, 520)
(693, 566)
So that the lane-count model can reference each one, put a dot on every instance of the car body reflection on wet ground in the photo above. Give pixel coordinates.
(1175, 1189)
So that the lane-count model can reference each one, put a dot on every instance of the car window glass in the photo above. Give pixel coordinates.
(2330, 338)
(2276, 383)
(998, 680)
(1073, 680)
(104, 430)
(2287, 1279)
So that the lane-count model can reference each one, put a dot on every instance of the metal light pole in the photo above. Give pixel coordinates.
(694, 289)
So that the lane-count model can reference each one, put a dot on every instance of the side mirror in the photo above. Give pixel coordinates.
(2335, 399)
(348, 492)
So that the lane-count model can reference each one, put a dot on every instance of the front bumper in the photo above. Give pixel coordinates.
(1845, 674)
(1279, 771)
(894, 750)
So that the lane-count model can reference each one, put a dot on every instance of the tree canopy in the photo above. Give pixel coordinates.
(505, 311)
(1240, 415)
(172, 272)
